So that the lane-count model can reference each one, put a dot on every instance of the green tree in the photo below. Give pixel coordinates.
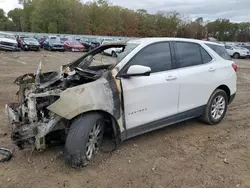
(16, 16)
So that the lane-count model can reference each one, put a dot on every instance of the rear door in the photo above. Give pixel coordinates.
(151, 98)
(197, 75)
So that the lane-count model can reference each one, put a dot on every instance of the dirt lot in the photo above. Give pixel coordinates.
(189, 154)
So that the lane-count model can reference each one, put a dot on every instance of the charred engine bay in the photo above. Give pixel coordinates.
(38, 91)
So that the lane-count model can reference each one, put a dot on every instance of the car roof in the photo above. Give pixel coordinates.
(5, 33)
(161, 39)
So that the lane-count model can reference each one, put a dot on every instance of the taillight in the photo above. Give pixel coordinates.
(235, 67)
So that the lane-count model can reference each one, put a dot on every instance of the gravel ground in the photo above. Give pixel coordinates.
(188, 154)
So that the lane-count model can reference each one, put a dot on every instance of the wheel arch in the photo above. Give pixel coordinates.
(226, 89)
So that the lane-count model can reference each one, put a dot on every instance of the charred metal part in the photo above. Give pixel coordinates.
(32, 112)
(55, 92)
(40, 143)
(12, 115)
(45, 128)
(115, 94)
(38, 72)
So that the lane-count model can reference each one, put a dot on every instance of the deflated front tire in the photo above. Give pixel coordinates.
(84, 139)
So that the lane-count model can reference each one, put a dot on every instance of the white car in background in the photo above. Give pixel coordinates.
(112, 51)
(8, 41)
(237, 52)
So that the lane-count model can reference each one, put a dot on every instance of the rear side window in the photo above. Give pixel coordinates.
(191, 54)
(156, 56)
(205, 56)
(220, 50)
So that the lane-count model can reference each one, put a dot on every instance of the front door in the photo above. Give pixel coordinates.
(154, 97)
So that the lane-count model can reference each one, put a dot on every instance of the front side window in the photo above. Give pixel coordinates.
(220, 50)
(189, 54)
(156, 56)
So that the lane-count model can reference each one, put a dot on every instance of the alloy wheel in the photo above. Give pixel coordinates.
(218, 107)
(94, 140)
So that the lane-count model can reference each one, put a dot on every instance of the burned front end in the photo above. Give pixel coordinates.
(48, 101)
(30, 117)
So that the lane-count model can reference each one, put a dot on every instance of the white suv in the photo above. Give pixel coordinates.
(155, 82)
(237, 51)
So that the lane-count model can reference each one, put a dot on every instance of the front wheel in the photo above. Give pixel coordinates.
(236, 56)
(84, 139)
(216, 107)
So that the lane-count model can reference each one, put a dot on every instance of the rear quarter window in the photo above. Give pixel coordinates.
(220, 50)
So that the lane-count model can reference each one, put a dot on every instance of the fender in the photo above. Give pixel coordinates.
(102, 94)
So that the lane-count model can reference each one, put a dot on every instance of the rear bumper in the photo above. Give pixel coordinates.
(232, 98)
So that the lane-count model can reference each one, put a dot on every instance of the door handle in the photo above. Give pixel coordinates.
(211, 69)
(171, 78)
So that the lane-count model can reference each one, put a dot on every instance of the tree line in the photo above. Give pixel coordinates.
(102, 18)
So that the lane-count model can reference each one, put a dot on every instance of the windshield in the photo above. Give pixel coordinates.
(30, 40)
(74, 43)
(64, 39)
(54, 40)
(92, 40)
(128, 48)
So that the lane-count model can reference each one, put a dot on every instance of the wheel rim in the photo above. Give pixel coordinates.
(94, 140)
(218, 107)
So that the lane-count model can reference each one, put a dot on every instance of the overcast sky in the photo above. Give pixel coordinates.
(235, 10)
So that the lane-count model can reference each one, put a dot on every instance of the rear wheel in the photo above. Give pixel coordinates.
(84, 139)
(216, 108)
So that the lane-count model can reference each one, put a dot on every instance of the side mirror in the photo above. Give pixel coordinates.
(137, 70)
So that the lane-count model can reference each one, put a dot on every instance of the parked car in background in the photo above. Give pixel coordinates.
(246, 47)
(41, 41)
(30, 44)
(77, 38)
(65, 38)
(73, 45)
(237, 52)
(89, 43)
(53, 44)
(104, 40)
(112, 51)
(20, 38)
(8, 41)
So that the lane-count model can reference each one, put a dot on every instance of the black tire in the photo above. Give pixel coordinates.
(78, 137)
(207, 115)
(50, 49)
(113, 54)
(236, 56)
